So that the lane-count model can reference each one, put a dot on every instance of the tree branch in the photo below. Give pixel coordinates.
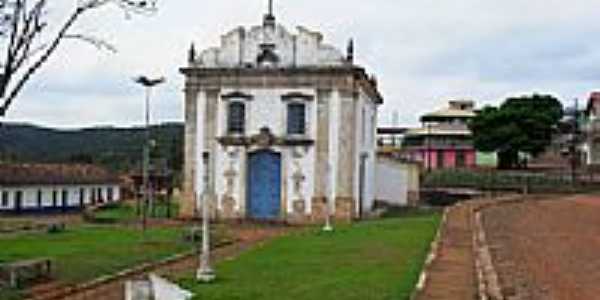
(32, 69)
(26, 25)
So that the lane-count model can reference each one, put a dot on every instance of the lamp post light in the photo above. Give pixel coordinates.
(148, 84)
(205, 272)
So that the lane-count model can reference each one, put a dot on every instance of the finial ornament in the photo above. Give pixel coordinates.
(192, 54)
(350, 51)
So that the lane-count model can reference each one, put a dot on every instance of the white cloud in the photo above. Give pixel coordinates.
(423, 53)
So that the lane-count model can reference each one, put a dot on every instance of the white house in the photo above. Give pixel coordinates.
(279, 124)
(55, 188)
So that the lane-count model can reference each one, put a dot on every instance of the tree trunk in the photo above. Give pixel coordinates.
(508, 159)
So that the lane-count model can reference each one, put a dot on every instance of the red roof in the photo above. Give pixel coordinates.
(54, 174)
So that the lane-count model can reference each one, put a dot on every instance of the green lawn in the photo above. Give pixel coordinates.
(371, 260)
(127, 212)
(85, 252)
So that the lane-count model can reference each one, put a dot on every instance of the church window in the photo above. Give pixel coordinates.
(236, 118)
(296, 121)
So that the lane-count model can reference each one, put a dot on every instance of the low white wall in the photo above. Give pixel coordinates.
(396, 182)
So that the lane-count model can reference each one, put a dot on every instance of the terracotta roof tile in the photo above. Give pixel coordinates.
(50, 174)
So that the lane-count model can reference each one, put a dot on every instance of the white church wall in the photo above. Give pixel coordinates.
(230, 175)
(304, 48)
(366, 116)
(299, 163)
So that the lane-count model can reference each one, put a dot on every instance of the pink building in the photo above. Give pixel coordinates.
(444, 140)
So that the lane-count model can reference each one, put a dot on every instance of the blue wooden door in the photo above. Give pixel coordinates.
(264, 185)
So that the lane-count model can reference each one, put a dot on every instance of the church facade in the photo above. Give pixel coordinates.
(278, 127)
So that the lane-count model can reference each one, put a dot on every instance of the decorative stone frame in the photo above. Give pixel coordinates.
(236, 97)
(299, 98)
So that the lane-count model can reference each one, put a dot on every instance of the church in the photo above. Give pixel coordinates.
(279, 126)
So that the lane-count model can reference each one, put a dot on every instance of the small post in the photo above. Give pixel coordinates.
(205, 272)
(328, 227)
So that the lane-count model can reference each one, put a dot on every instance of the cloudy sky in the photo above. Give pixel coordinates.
(424, 52)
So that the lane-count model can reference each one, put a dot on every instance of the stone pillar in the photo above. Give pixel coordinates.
(188, 202)
(347, 158)
(322, 164)
(211, 145)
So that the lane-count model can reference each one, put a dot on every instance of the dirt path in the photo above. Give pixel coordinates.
(451, 275)
(547, 249)
(248, 236)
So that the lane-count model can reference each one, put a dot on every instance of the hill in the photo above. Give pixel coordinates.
(119, 149)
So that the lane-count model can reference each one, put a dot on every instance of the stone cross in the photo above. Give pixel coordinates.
(298, 178)
(230, 176)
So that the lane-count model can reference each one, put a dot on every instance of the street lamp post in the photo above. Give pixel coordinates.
(148, 84)
(205, 272)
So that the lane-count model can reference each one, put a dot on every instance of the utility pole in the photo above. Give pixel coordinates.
(574, 142)
(428, 141)
(148, 85)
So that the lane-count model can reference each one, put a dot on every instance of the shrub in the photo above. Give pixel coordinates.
(56, 228)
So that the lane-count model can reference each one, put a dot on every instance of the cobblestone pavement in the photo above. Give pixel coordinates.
(248, 236)
(546, 249)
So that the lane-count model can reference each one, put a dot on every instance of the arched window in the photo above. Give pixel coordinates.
(296, 118)
(236, 118)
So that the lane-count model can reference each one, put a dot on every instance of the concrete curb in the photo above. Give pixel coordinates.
(431, 257)
(128, 273)
(488, 283)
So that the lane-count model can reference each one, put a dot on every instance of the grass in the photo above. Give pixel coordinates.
(372, 260)
(85, 252)
(126, 212)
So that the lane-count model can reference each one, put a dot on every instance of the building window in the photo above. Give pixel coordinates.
(18, 200)
(5, 198)
(39, 198)
(236, 118)
(82, 197)
(440, 159)
(109, 194)
(363, 126)
(93, 194)
(296, 118)
(65, 198)
(460, 159)
(54, 198)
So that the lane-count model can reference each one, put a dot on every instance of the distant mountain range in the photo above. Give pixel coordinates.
(119, 149)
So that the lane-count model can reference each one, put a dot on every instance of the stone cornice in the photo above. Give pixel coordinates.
(237, 95)
(264, 139)
(277, 141)
(350, 78)
(297, 95)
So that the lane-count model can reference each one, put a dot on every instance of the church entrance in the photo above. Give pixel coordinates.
(264, 185)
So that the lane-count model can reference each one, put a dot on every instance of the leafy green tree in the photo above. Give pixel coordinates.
(520, 125)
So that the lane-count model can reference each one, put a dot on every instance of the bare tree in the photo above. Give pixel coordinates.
(27, 40)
